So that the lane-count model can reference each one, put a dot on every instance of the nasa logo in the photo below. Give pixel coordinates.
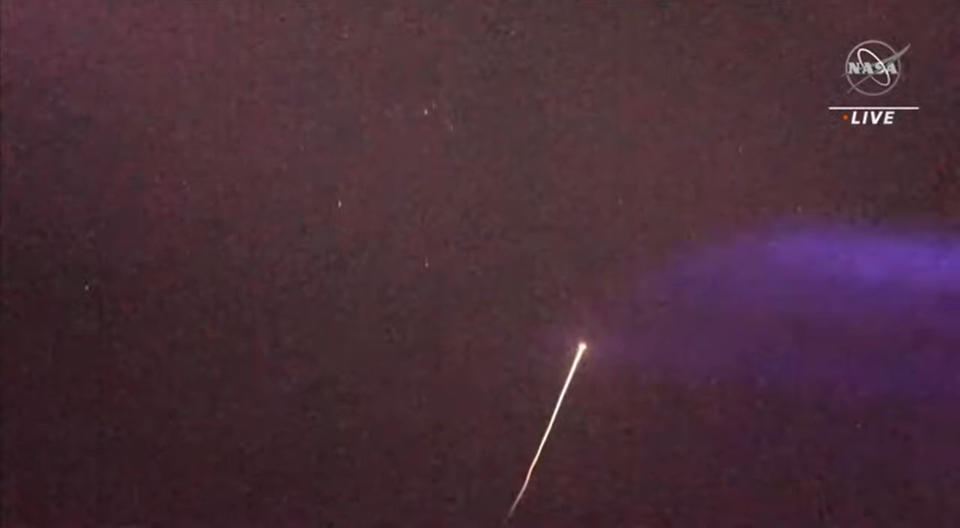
(873, 67)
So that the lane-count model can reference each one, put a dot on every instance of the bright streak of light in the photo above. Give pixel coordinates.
(573, 368)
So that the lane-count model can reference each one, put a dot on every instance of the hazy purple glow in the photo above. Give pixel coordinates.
(869, 312)
(896, 260)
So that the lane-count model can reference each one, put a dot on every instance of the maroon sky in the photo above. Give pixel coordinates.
(301, 263)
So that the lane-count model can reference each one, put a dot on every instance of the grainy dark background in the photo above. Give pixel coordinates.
(323, 263)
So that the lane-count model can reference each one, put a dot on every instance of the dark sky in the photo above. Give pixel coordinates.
(326, 263)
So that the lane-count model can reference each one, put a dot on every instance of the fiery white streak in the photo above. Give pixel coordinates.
(573, 368)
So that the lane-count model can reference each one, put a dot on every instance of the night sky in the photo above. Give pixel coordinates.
(298, 263)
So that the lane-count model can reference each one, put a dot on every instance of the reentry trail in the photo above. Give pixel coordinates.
(526, 481)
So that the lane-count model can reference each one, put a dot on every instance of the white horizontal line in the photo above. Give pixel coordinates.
(874, 108)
